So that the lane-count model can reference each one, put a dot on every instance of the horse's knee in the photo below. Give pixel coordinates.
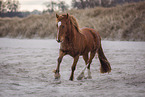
(59, 60)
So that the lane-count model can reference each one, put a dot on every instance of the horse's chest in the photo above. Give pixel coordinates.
(70, 50)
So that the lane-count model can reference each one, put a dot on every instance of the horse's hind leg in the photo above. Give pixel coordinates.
(92, 54)
(85, 57)
(88, 62)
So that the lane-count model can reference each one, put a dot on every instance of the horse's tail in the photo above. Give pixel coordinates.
(105, 65)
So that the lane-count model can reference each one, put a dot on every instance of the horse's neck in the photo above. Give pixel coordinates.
(73, 41)
(76, 35)
(73, 36)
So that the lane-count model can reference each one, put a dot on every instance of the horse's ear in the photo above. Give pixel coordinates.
(57, 15)
(67, 15)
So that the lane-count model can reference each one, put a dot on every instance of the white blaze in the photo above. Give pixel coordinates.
(59, 23)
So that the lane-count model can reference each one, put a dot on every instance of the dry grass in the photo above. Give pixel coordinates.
(32, 26)
(125, 22)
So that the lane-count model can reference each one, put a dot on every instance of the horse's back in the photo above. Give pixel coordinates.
(92, 37)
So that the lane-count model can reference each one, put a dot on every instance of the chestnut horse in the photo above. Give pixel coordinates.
(76, 42)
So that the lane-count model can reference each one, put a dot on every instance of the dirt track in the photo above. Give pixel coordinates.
(26, 70)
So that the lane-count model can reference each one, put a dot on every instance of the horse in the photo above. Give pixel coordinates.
(78, 42)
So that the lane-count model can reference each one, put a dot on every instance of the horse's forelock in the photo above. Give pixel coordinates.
(71, 19)
(61, 17)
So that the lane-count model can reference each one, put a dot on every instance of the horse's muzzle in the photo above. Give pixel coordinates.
(58, 40)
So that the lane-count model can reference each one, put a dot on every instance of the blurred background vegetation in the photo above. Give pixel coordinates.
(113, 19)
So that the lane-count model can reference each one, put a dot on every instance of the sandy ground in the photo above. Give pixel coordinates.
(26, 70)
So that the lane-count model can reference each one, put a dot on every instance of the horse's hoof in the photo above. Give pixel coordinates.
(71, 79)
(88, 77)
(81, 76)
(57, 76)
(57, 81)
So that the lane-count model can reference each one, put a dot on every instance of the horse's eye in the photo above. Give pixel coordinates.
(62, 26)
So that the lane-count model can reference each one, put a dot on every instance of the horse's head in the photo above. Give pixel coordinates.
(62, 27)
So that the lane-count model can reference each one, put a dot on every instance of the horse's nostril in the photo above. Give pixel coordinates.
(58, 40)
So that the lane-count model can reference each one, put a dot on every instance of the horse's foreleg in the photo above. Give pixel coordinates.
(85, 57)
(74, 67)
(57, 75)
